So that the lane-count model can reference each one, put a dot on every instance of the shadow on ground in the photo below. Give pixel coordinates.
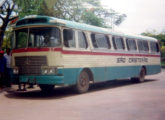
(62, 92)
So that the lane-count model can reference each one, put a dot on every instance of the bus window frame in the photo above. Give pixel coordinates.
(86, 39)
(111, 42)
(143, 51)
(127, 46)
(63, 43)
(15, 41)
(40, 26)
(99, 48)
(124, 43)
(157, 47)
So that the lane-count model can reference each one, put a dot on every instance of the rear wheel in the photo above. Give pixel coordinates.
(46, 88)
(141, 76)
(82, 84)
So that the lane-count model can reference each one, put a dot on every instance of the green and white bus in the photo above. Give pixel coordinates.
(49, 51)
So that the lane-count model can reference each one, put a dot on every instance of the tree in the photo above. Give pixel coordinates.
(27, 7)
(92, 19)
(160, 37)
(47, 7)
(6, 9)
(163, 51)
(65, 9)
(7, 39)
(85, 11)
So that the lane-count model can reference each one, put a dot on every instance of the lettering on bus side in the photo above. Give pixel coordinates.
(135, 60)
(132, 60)
(121, 60)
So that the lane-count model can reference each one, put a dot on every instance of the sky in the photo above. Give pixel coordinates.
(142, 15)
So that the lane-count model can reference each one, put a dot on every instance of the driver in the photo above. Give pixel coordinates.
(47, 40)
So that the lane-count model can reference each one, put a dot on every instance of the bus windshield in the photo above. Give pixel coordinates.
(37, 37)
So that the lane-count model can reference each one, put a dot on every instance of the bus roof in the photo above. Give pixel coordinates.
(46, 20)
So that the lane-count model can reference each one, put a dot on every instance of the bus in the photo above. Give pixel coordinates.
(48, 51)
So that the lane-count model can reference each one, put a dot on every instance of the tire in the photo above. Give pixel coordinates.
(82, 84)
(141, 77)
(46, 88)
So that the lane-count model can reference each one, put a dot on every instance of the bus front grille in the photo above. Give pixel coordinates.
(30, 65)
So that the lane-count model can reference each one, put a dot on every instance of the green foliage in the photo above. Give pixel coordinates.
(90, 18)
(22, 40)
(160, 37)
(163, 63)
(47, 8)
(27, 7)
(7, 40)
(86, 11)
(163, 51)
(6, 11)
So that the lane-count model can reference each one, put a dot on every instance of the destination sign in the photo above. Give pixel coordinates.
(132, 60)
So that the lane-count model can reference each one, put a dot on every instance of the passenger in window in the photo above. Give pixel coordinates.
(46, 40)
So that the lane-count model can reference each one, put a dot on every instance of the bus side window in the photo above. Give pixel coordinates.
(140, 45)
(146, 47)
(100, 41)
(131, 44)
(143, 46)
(154, 47)
(31, 39)
(118, 42)
(82, 41)
(157, 47)
(94, 40)
(69, 38)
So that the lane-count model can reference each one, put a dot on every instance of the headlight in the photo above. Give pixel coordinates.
(15, 70)
(49, 70)
(45, 71)
(52, 70)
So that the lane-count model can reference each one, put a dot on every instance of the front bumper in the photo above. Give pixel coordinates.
(41, 79)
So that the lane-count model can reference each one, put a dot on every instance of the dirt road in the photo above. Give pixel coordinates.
(115, 100)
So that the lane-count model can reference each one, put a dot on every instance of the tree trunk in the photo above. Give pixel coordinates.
(5, 20)
(2, 32)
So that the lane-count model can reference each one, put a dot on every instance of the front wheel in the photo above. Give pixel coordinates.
(82, 84)
(141, 76)
(46, 88)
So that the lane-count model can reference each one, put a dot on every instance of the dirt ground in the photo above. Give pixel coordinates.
(114, 100)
